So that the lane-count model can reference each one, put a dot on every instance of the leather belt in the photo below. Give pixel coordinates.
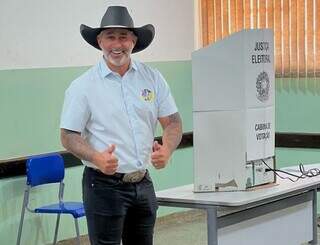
(132, 177)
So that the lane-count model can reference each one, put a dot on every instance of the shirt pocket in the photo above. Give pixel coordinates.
(146, 104)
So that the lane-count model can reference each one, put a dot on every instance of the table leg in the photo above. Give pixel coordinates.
(212, 226)
(314, 216)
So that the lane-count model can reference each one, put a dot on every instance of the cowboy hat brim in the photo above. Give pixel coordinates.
(145, 35)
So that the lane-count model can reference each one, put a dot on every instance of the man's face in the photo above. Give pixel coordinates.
(117, 45)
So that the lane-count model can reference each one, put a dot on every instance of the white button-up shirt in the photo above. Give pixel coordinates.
(109, 109)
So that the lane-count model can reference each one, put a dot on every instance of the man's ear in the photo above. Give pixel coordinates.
(135, 39)
(99, 40)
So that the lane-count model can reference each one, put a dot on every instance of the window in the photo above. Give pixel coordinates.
(296, 25)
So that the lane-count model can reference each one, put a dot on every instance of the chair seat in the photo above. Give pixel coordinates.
(74, 208)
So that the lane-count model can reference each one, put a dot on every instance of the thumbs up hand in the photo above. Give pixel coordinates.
(106, 160)
(156, 146)
(160, 155)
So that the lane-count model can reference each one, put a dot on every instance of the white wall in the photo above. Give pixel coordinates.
(45, 33)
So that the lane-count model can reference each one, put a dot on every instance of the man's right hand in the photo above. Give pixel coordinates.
(106, 161)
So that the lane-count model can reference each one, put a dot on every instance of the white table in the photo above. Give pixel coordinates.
(283, 204)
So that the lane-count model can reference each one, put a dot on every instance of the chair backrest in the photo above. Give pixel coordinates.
(45, 169)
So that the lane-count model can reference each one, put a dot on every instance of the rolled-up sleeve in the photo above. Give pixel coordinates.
(165, 100)
(75, 112)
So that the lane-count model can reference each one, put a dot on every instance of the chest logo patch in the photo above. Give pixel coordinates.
(147, 95)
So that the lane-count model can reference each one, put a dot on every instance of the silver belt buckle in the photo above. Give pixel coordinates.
(134, 177)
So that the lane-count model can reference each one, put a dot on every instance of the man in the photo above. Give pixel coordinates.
(109, 120)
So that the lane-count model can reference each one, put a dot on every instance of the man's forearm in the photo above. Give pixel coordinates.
(172, 133)
(75, 144)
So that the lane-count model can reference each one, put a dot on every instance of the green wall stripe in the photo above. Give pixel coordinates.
(31, 102)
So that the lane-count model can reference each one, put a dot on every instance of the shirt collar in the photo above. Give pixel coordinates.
(105, 70)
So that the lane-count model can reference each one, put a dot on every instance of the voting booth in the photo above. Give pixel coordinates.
(233, 112)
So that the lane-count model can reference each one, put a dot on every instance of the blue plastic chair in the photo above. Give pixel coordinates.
(46, 169)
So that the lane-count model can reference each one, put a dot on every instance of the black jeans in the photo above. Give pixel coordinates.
(116, 210)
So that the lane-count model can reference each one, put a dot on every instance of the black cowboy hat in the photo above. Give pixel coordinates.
(119, 17)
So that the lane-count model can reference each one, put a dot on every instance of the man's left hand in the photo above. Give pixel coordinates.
(160, 155)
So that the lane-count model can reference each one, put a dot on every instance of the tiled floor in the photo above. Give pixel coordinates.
(186, 228)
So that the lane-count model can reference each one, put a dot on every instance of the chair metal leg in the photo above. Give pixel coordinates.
(25, 201)
(56, 230)
(77, 231)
